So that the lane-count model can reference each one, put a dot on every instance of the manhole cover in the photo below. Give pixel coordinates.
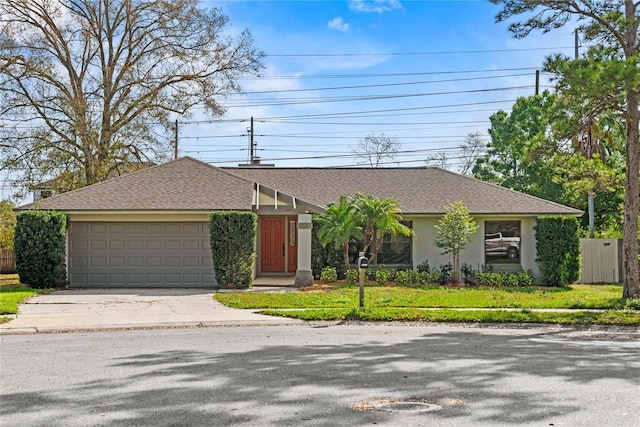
(407, 406)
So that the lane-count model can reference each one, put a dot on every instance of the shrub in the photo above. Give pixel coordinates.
(428, 277)
(353, 276)
(509, 280)
(329, 275)
(382, 276)
(525, 278)
(423, 267)
(446, 271)
(232, 238)
(489, 278)
(468, 273)
(39, 247)
(322, 257)
(405, 277)
(558, 248)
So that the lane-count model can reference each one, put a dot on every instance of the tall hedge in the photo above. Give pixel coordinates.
(39, 248)
(233, 237)
(558, 247)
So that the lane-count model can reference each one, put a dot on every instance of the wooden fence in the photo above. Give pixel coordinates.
(601, 261)
(7, 263)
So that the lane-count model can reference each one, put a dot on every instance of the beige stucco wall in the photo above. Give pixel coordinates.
(425, 249)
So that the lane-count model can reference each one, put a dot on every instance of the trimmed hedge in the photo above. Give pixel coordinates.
(232, 237)
(39, 248)
(558, 247)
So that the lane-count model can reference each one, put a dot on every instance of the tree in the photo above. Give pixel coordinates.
(338, 225)
(378, 217)
(87, 86)
(473, 146)
(7, 224)
(439, 160)
(608, 75)
(455, 229)
(375, 150)
(522, 147)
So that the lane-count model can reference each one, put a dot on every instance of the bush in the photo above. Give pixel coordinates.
(39, 248)
(446, 271)
(405, 277)
(382, 276)
(423, 267)
(489, 278)
(353, 276)
(329, 275)
(558, 248)
(232, 238)
(509, 280)
(322, 257)
(468, 274)
(525, 278)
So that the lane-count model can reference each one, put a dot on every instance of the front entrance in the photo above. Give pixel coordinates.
(278, 244)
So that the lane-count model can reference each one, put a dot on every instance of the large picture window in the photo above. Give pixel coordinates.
(395, 250)
(502, 242)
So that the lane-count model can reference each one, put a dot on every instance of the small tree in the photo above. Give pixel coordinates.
(338, 226)
(455, 229)
(376, 149)
(378, 217)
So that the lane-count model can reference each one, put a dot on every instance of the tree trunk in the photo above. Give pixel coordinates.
(632, 189)
(345, 252)
(631, 200)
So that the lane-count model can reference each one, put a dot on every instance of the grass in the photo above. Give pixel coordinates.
(12, 293)
(442, 304)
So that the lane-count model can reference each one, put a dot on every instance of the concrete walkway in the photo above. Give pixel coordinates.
(108, 309)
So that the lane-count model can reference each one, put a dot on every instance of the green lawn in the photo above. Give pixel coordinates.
(445, 304)
(11, 293)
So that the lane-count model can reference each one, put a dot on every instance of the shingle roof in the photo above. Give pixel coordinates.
(418, 190)
(189, 184)
(183, 184)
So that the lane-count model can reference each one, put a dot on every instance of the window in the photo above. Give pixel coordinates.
(395, 250)
(502, 242)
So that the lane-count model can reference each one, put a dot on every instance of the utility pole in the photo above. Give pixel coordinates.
(537, 82)
(252, 145)
(175, 144)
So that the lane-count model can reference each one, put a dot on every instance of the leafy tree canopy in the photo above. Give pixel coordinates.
(88, 88)
(607, 78)
(7, 224)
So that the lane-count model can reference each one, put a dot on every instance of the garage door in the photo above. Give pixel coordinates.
(132, 255)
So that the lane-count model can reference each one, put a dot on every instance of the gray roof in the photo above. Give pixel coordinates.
(189, 184)
(418, 190)
(183, 184)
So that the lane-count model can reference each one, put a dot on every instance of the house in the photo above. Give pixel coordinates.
(150, 228)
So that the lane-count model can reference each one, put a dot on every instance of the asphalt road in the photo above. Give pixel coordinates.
(322, 375)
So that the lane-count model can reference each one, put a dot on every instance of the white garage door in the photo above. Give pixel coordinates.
(137, 254)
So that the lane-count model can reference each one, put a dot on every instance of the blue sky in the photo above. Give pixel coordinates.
(424, 72)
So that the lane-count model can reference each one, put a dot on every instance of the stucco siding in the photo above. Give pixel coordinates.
(474, 254)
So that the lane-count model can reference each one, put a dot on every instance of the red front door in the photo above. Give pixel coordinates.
(278, 244)
(272, 247)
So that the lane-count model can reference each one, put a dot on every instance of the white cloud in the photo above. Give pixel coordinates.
(338, 24)
(374, 6)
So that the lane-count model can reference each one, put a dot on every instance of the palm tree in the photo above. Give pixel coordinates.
(379, 217)
(338, 225)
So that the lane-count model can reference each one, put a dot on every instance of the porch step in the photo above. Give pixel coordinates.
(274, 281)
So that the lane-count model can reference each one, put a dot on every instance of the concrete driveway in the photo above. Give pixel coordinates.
(103, 309)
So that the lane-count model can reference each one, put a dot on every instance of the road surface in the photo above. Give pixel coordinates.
(322, 375)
